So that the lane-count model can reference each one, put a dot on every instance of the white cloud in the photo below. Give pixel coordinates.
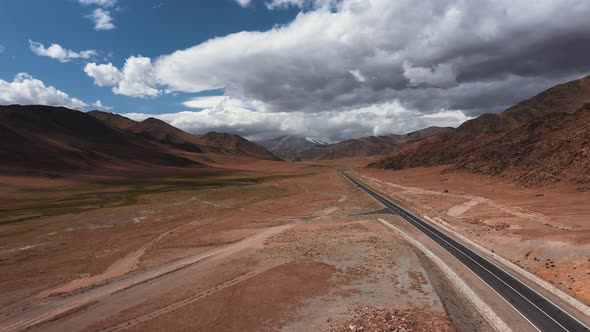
(279, 4)
(227, 115)
(100, 16)
(104, 75)
(138, 79)
(405, 48)
(56, 51)
(441, 75)
(102, 19)
(273, 4)
(213, 101)
(26, 90)
(428, 55)
(2, 48)
(135, 80)
(244, 3)
(98, 104)
(358, 75)
(100, 3)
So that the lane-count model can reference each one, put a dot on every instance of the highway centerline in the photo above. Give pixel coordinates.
(539, 311)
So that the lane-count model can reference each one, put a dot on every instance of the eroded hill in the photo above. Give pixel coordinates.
(540, 140)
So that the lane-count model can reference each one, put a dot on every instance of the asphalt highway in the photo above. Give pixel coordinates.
(539, 311)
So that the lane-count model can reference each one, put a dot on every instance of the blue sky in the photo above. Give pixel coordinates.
(142, 27)
(327, 69)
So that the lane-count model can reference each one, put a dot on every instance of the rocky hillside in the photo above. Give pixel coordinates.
(57, 138)
(301, 149)
(113, 119)
(232, 144)
(449, 147)
(371, 145)
(152, 129)
(483, 144)
(290, 148)
(547, 149)
(161, 132)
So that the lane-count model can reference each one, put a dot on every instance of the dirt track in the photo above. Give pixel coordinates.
(284, 254)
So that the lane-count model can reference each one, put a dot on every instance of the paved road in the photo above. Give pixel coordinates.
(539, 311)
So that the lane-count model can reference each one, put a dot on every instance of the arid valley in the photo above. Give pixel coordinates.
(245, 249)
(295, 165)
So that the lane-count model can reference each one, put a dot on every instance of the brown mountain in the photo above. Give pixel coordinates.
(372, 145)
(154, 130)
(163, 133)
(113, 119)
(290, 148)
(448, 148)
(232, 144)
(297, 150)
(547, 149)
(57, 138)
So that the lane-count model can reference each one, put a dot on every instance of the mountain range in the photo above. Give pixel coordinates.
(37, 137)
(40, 137)
(544, 139)
(293, 148)
(163, 133)
(541, 140)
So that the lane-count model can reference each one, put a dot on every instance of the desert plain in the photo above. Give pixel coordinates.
(264, 245)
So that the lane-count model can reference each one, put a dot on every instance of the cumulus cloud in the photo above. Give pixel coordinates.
(98, 104)
(405, 48)
(228, 114)
(101, 3)
(102, 19)
(213, 101)
(103, 75)
(244, 3)
(136, 79)
(56, 51)
(303, 4)
(26, 90)
(339, 56)
(100, 16)
(441, 75)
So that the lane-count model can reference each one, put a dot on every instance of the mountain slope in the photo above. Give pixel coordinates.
(544, 150)
(163, 133)
(231, 144)
(373, 145)
(152, 129)
(289, 147)
(56, 138)
(474, 134)
(299, 148)
(113, 119)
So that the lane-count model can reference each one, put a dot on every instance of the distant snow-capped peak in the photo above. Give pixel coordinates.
(315, 141)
